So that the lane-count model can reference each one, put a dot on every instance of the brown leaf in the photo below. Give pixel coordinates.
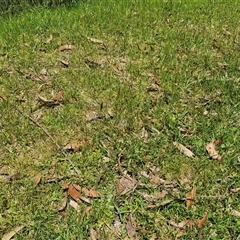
(74, 205)
(66, 47)
(63, 204)
(202, 222)
(73, 145)
(14, 176)
(210, 147)
(183, 149)
(9, 235)
(45, 101)
(131, 227)
(73, 193)
(94, 40)
(58, 96)
(90, 193)
(188, 223)
(65, 186)
(37, 179)
(3, 97)
(116, 69)
(94, 235)
(190, 197)
(217, 142)
(126, 184)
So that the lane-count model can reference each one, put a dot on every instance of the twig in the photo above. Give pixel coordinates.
(46, 132)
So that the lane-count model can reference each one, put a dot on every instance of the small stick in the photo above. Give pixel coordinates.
(46, 132)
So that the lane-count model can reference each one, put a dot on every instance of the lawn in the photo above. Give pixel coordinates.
(120, 120)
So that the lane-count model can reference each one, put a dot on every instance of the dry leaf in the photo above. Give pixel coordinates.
(37, 179)
(73, 193)
(202, 222)
(235, 213)
(183, 224)
(190, 197)
(210, 147)
(90, 193)
(66, 47)
(94, 235)
(235, 190)
(14, 176)
(161, 204)
(64, 63)
(73, 145)
(65, 186)
(85, 212)
(9, 235)
(131, 227)
(49, 39)
(63, 204)
(184, 150)
(3, 97)
(117, 226)
(94, 40)
(74, 205)
(116, 69)
(125, 185)
(58, 96)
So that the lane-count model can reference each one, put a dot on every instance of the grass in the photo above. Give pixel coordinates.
(191, 48)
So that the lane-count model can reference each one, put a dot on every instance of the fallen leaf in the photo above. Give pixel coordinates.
(14, 176)
(49, 39)
(73, 193)
(65, 186)
(180, 233)
(94, 40)
(58, 96)
(3, 97)
(131, 227)
(117, 226)
(64, 63)
(91, 116)
(184, 150)
(161, 204)
(73, 145)
(217, 142)
(45, 101)
(85, 212)
(155, 197)
(90, 193)
(235, 190)
(37, 179)
(94, 235)
(126, 184)
(190, 197)
(235, 213)
(210, 147)
(74, 205)
(66, 47)
(116, 69)
(188, 223)
(63, 204)
(202, 222)
(9, 235)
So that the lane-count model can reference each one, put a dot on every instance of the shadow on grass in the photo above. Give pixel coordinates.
(12, 7)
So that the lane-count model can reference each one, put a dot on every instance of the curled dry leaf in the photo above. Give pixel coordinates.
(94, 40)
(37, 179)
(66, 47)
(3, 97)
(210, 147)
(126, 184)
(131, 227)
(183, 149)
(9, 235)
(190, 196)
(235, 190)
(90, 193)
(58, 96)
(64, 63)
(73, 193)
(202, 222)
(63, 204)
(73, 145)
(94, 235)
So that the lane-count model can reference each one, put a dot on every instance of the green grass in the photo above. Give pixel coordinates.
(193, 50)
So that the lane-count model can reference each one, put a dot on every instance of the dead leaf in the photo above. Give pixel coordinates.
(184, 150)
(92, 116)
(58, 96)
(9, 235)
(73, 193)
(45, 101)
(94, 235)
(65, 186)
(180, 233)
(85, 212)
(14, 176)
(154, 197)
(188, 223)
(74, 205)
(3, 97)
(126, 184)
(131, 227)
(117, 226)
(217, 142)
(116, 69)
(64, 63)
(90, 193)
(73, 145)
(66, 47)
(49, 39)
(63, 204)
(235, 190)
(190, 196)
(37, 179)
(94, 40)
(210, 147)
(235, 213)
(202, 222)
(161, 204)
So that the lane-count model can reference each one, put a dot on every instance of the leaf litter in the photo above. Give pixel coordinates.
(210, 147)
(184, 150)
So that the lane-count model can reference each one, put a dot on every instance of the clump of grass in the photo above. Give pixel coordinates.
(164, 72)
